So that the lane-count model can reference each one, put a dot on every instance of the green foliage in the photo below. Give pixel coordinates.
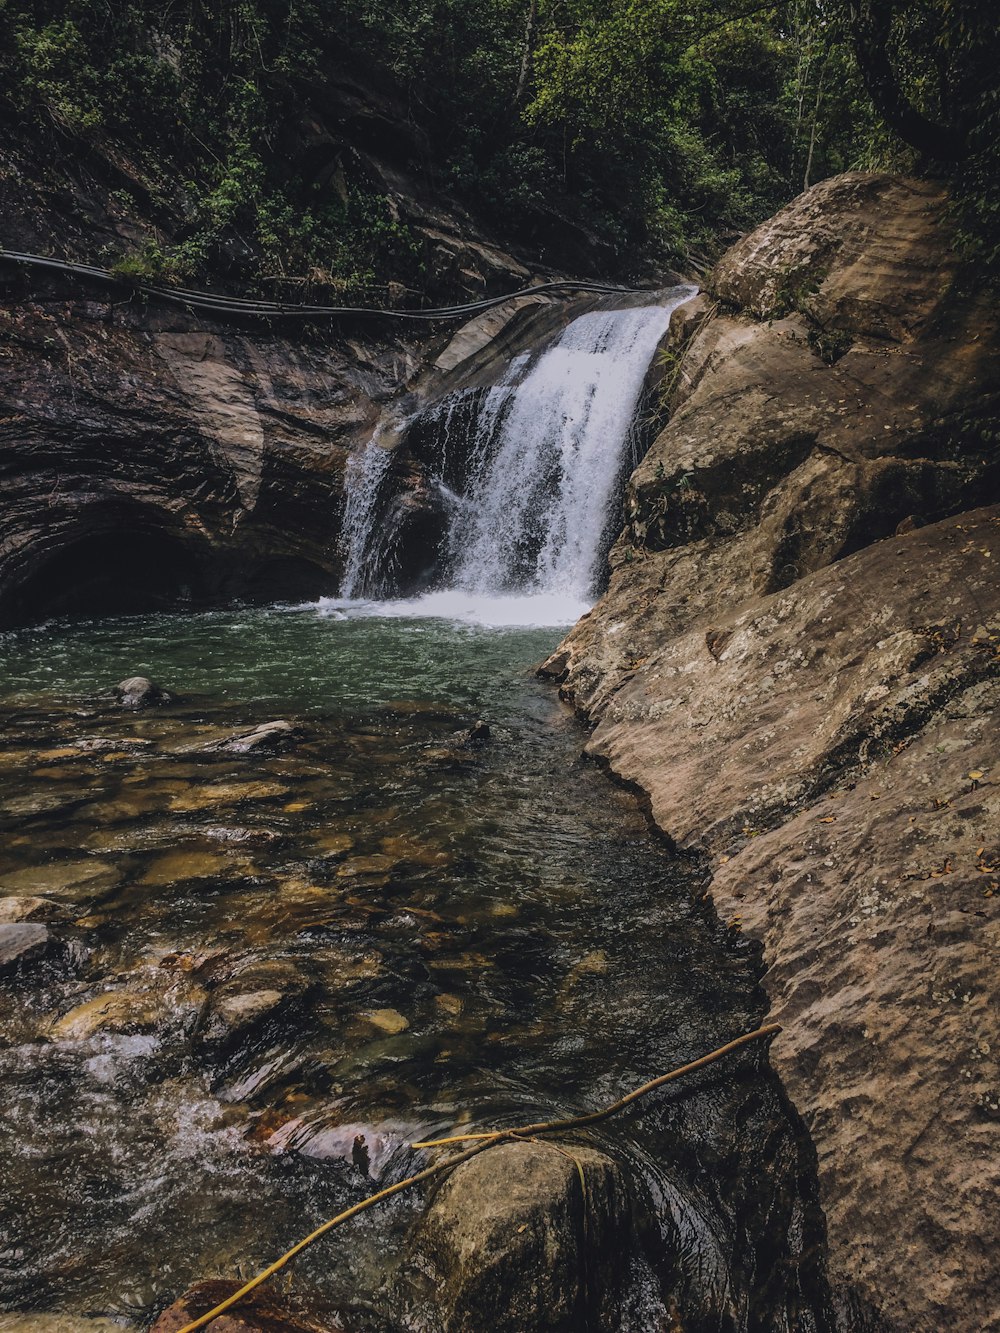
(59, 73)
(591, 131)
(830, 344)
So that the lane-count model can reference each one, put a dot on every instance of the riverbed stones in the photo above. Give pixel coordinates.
(223, 794)
(137, 692)
(22, 943)
(516, 1241)
(15, 909)
(174, 867)
(241, 1008)
(267, 738)
(73, 881)
(113, 1012)
(388, 1021)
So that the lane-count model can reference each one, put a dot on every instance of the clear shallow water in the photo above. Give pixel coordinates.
(446, 934)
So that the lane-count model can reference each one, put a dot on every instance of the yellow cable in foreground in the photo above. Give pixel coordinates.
(482, 1142)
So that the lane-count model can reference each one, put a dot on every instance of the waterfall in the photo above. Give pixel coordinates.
(363, 479)
(541, 455)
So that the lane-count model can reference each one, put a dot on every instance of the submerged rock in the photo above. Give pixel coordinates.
(16, 909)
(262, 1311)
(389, 1021)
(243, 1008)
(516, 1241)
(224, 794)
(72, 880)
(477, 734)
(116, 1011)
(267, 738)
(150, 1000)
(140, 692)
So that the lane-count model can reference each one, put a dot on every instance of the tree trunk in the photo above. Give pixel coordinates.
(871, 21)
(529, 50)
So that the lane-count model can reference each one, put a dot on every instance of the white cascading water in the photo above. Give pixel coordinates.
(365, 471)
(545, 451)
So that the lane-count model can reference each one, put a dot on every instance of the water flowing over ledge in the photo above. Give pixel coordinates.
(541, 458)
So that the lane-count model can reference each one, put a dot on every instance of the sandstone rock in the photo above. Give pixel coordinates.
(245, 1005)
(224, 794)
(389, 1021)
(140, 692)
(509, 1246)
(805, 682)
(75, 881)
(56, 1321)
(186, 864)
(235, 1014)
(16, 909)
(776, 461)
(116, 1012)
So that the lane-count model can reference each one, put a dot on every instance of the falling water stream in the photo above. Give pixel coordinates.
(539, 457)
(253, 960)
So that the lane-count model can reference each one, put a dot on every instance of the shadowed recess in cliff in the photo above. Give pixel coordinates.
(524, 475)
(118, 571)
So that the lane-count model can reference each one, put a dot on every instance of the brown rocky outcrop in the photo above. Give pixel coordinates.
(147, 460)
(798, 658)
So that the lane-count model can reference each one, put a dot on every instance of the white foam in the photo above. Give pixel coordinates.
(536, 610)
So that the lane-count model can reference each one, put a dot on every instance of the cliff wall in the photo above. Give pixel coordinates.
(798, 659)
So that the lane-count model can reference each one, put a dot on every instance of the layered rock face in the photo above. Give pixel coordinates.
(798, 658)
(149, 458)
(149, 461)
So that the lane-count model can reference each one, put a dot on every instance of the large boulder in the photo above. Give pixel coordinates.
(532, 1235)
(798, 659)
(804, 425)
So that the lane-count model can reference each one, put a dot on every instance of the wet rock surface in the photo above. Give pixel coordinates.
(798, 659)
(23, 943)
(262, 1311)
(268, 738)
(530, 1236)
(140, 692)
(291, 965)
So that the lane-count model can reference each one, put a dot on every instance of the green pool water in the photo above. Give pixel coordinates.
(455, 933)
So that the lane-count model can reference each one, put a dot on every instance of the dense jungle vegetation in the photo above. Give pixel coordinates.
(631, 128)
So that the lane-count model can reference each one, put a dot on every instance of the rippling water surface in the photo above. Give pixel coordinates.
(301, 961)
